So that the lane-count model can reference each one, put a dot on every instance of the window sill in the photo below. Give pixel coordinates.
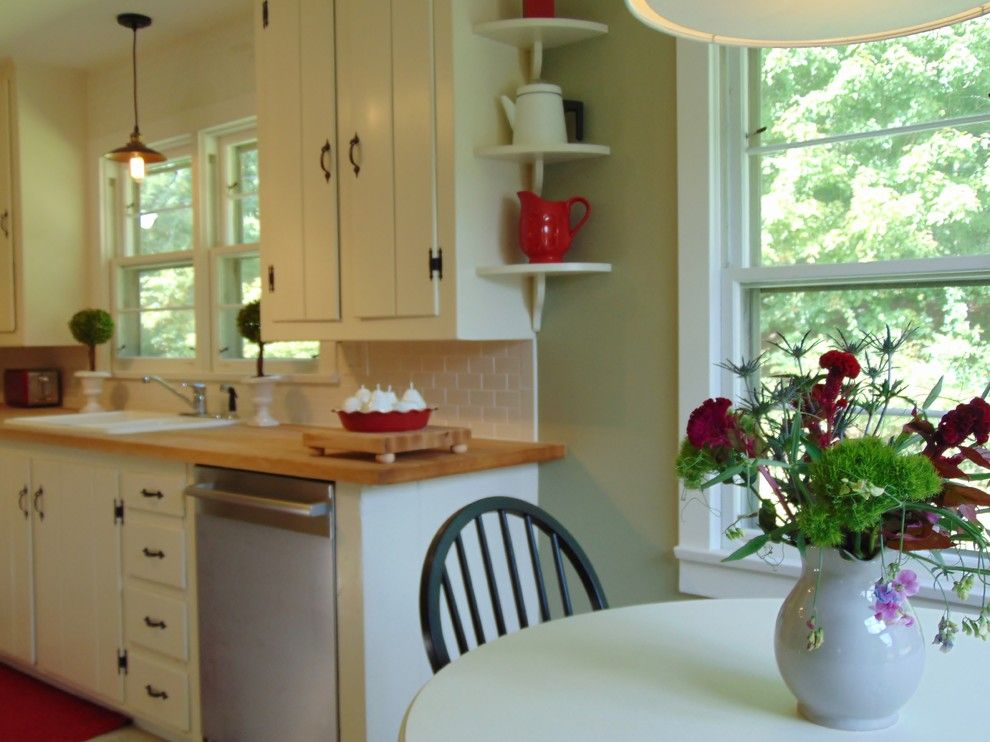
(703, 573)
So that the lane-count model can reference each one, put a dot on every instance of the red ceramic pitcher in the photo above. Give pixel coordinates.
(538, 9)
(545, 230)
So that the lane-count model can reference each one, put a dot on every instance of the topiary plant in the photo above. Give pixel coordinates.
(249, 325)
(91, 327)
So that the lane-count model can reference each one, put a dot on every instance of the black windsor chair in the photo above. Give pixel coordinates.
(436, 577)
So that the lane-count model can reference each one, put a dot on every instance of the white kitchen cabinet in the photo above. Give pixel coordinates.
(296, 123)
(160, 638)
(42, 196)
(416, 90)
(95, 562)
(77, 607)
(16, 594)
(387, 121)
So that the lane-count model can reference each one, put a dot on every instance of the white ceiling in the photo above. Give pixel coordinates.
(85, 34)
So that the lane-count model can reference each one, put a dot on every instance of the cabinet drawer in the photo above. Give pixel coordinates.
(158, 692)
(152, 492)
(156, 553)
(156, 622)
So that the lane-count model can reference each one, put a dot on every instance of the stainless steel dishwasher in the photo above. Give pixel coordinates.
(267, 606)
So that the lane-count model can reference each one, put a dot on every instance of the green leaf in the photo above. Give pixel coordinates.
(724, 476)
(758, 542)
(933, 395)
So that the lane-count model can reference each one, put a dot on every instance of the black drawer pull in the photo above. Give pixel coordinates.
(153, 553)
(157, 494)
(153, 624)
(156, 693)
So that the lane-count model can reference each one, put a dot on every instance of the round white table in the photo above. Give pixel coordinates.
(667, 672)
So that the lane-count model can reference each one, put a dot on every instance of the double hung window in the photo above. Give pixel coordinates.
(842, 190)
(185, 259)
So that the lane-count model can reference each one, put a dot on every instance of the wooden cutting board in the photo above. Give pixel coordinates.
(386, 445)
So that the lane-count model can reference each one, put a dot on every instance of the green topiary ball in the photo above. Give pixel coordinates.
(91, 326)
(249, 321)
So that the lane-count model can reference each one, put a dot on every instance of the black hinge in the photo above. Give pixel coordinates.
(264, 14)
(436, 263)
(121, 661)
(118, 511)
(271, 278)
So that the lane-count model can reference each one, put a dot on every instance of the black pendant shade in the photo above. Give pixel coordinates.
(135, 151)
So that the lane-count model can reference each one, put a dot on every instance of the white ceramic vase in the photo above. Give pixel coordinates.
(262, 390)
(866, 669)
(92, 388)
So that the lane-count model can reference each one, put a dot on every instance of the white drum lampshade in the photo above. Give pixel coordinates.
(800, 22)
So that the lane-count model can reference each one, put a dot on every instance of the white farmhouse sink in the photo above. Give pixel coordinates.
(121, 422)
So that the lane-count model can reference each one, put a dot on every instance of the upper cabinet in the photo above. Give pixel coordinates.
(297, 123)
(412, 214)
(387, 123)
(42, 220)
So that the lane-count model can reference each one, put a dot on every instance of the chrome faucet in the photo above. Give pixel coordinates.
(198, 401)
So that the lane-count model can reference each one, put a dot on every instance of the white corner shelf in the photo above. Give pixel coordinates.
(538, 272)
(540, 155)
(538, 34)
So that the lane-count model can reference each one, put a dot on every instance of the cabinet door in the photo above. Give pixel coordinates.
(414, 103)
(77, 574)
(295, 73)
(16, 625)
(7, 312)
(387, 123)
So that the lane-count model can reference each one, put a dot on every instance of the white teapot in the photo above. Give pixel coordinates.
(537, 115)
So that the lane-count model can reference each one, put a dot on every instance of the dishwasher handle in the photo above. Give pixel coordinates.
(306, 509)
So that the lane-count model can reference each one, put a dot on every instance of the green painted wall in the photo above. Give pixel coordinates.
(608, 348)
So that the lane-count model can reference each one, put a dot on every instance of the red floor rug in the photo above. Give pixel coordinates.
(31, 711)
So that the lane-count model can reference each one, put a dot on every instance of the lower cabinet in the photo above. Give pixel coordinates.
(77, 615)
(159, 630)
(95, 570)
(16, 589)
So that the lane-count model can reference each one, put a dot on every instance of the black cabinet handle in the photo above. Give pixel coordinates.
(155, 693)
(325, 160)
(5, 223)
(355, 142)
(153, 624)
(22, 501)
(153, 554)
(157, 494)
(38, 504)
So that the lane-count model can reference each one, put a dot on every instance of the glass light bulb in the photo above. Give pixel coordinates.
(137, 167)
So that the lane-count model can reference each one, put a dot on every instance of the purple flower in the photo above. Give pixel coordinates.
(906, 582)
(889, 597)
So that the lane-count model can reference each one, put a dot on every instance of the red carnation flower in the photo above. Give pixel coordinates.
(840, 363)
(966, 419)
(981, 426)
(709, 425)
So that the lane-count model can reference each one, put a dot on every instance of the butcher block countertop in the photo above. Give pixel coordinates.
(280, 450)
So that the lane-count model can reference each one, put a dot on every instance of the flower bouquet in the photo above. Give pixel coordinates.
(827, 467)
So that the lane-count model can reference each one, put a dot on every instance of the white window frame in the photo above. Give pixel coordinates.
(117, 185)
(211, 227)
(714, 274)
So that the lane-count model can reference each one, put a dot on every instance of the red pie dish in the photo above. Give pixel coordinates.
(384, 422)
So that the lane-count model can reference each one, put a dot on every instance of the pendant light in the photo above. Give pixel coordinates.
(800, 22)
(135, 152)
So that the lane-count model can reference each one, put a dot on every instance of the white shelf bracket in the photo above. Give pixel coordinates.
(536, 61)
(539, 298)
(538, 176)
